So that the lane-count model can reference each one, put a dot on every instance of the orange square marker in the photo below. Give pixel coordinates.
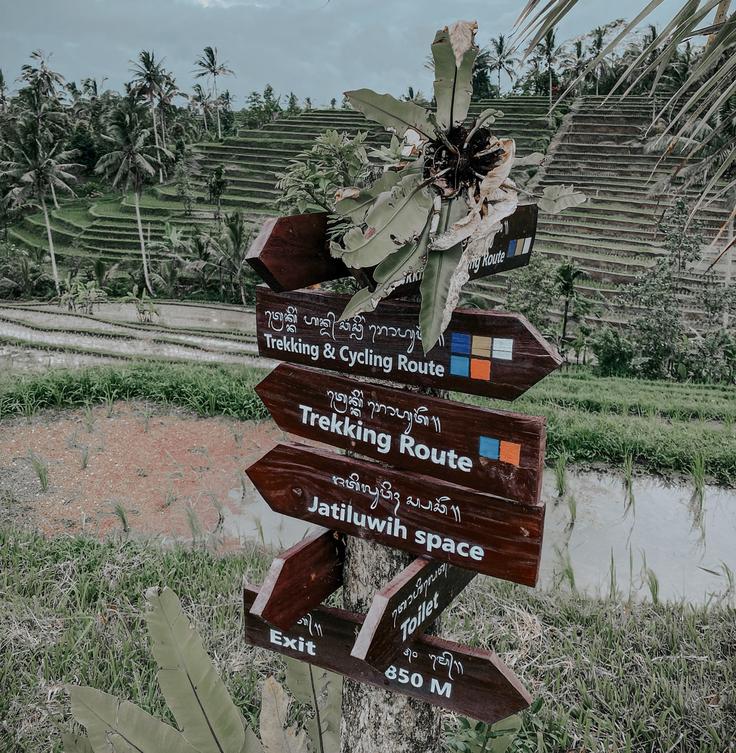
(510, 452)
(480, 369)
(481, 346)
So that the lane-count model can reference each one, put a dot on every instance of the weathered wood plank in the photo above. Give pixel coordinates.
(300, 579)
(497, 452)
(406, 607)
(406, 511)
(489, 353)
(469, 681)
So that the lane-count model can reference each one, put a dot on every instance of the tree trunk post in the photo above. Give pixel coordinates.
(374, 720)
(143, 244)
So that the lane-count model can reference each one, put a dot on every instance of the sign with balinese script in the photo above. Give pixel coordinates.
(498, 452)
(402, 510)
(469, 681)
(301, 578)
(488, 353)
(404, 608)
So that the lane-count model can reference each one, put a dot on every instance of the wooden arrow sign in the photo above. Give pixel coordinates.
(487, 353)
(301, 578)
(406, 607)
(292, 252)
(406, 511)
(497, 452)
(469, 681)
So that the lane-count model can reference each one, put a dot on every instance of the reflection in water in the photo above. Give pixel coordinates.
(671, 544)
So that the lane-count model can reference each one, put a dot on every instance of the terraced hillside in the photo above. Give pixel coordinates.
(614, 236)
(107, 230)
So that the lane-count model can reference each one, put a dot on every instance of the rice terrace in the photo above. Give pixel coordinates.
(367, 377)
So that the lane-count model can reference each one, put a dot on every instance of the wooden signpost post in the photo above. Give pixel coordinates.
(456, 486)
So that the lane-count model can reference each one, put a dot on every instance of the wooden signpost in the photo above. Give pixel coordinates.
(406, 511)
(293, 252)
(466, 680)
(488, 353)
(456, 486)
(497, 452)
(411, 602)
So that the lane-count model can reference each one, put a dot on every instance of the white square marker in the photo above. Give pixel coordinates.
(503, 348)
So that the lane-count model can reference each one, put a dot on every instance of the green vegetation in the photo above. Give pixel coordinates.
(630, 681)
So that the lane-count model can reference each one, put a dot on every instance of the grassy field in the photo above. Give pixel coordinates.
(658, 427)
(610, 676)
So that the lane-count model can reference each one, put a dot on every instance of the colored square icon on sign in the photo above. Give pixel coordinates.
(459, 366)
(489, 448)
(480, 368)
(481, 346)
(512, 247)
(510, 452)
(503, 348)
(460, 343)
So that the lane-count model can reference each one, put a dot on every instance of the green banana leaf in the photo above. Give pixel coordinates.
(556, 199)
(453, 85)
(196, 695)
(356, 206)
(276, 736)
(116, 726)
(322, 690)
(391, 113)
(435, 287)
(396, 217)
(75, 743)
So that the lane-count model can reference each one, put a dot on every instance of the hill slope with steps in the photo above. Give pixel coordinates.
(614, 236)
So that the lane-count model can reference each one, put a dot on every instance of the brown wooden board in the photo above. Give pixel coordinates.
(292, 252)
(301, 578)
(469, 681)
(498, 452)
(406, 607)
(403, 510)
(489, 353)
(511, 248)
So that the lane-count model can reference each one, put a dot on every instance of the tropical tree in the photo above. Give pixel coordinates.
(148, 81)
(216, 186)
(229, 252)
(3, 92)
(39, 75)
(209, 66)
(502, 59)
(566, 275)
(551, 52)
(131, 161)
(202, 102)
(35, 170)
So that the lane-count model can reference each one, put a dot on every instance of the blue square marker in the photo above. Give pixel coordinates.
(489, 448)
(512, 247)
(459, 366)
(460, 343)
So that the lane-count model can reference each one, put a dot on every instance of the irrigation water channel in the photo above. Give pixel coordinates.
(660, 536)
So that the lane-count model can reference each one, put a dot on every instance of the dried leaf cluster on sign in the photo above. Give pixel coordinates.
(443, 195)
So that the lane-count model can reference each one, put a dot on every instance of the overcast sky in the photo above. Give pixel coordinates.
(316, 48)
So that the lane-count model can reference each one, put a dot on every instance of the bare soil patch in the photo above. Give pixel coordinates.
(168, 474)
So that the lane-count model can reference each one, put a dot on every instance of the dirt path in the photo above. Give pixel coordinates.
(159, 473)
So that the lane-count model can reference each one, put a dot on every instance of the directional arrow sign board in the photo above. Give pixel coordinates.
(401, 612)
(487, 353)
(292, 252)
(406, 511)
(468, 681)
(501, 453)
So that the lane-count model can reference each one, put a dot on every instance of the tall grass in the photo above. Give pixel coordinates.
(41, 469)
(608, 676)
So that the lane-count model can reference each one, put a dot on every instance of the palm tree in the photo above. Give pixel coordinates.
(35, 170)
(566, 275)
(574, 63)
(230, 251)
(551, 53)
(208, 65)
(3, 92)
(502, 59)
(148, 80)
(41, 77)
(131, 161)
(202, 102)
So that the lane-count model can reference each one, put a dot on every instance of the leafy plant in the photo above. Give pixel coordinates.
(207, 718)
(480, 737)
(440, 205)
